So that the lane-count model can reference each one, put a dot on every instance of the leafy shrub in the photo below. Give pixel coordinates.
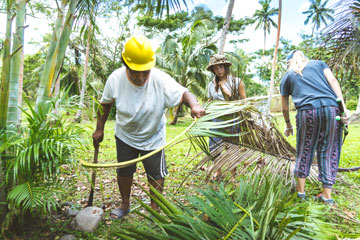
(351, 104)
(38, 149)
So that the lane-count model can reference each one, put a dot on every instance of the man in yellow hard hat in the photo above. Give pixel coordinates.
(141, 94)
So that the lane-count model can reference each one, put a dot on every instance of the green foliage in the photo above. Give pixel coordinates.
(158, 7)
(253, 88)
(341, 41)
(32, 198)
(201, 12)
(236, 26)
(240, 62)
(38, 149)
(351, 104)
(32, 71)
(171, 23)
(40, 7)
(185, 57)
(253, 210)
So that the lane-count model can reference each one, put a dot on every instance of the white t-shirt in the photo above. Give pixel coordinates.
(140, 118)
(218, 95)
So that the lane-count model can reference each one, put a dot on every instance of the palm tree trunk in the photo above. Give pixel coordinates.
(6, 66)
(3, 207)
(271, 90)
(358, 106)
(83, 84)
(226, 25)
(263, 55)
(176, 116)
(56, 93)
(55, 56)
(4, 100)
(21, 81)
(16, 59)
(54, 40)
(313, 30)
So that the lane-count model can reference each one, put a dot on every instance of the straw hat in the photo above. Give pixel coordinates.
(216, 60)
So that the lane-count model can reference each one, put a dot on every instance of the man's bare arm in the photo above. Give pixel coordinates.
(190, 100)
(98, 135)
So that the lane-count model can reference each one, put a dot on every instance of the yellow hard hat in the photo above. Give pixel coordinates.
(138, 53)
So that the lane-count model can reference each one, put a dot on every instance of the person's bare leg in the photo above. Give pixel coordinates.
(159, 186)
(301, 185)
(124, 184)
(125, 190)
(326, 193)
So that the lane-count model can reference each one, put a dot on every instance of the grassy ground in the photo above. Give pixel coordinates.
(107, 196)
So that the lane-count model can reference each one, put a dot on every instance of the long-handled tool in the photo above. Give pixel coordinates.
(338, 118)
(93, 177)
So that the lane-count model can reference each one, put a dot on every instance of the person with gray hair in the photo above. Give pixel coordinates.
(314, 90)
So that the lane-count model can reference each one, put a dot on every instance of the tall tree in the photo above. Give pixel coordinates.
(85, 74)
(318, 13)
(16, 62)
(263, 18)
(226, 26)
(56, 52)
(272, 79)
(6, 66)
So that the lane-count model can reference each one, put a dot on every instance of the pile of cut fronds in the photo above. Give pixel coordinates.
(257, 145)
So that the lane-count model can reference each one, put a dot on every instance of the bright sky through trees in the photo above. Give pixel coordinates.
(291, 26)
(292, 22)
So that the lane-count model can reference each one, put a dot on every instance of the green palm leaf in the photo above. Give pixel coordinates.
(253, 210)
(28, 197)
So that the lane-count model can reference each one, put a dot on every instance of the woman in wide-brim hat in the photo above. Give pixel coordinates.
(224, 87)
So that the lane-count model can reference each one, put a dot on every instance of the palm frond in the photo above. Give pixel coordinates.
(30, 198)
(342, 37)
(257, 146)
(254, 210)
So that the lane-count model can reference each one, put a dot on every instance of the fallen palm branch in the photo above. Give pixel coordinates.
(257, 146)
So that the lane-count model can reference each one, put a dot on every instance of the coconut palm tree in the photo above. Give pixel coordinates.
(272, 78)
(318, 13)
(226, 26)
(263, 18)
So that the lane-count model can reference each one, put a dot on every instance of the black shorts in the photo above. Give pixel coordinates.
(155, 166)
